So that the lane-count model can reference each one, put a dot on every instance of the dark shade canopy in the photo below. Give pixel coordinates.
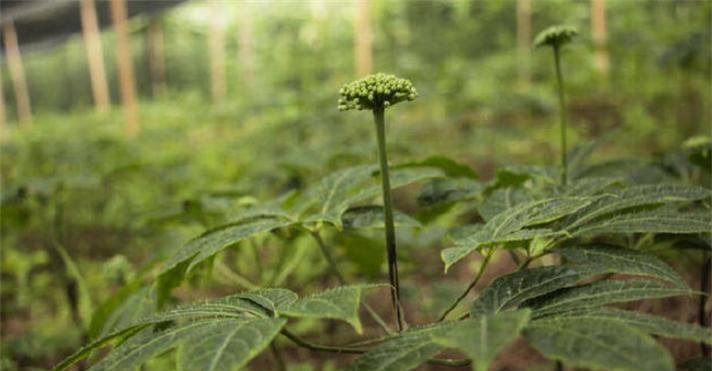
(48, 22)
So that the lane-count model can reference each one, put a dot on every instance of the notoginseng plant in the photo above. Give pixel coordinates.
(377, 93)
(562, 311)
(556, 37)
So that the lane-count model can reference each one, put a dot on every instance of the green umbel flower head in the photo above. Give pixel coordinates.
(555, 36)
(375, 92)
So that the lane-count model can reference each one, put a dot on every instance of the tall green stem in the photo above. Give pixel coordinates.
(379, 119)
(469, 287)
(562, 114)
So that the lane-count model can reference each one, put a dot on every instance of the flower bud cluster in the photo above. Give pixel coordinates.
(376, 91)
(555, 36)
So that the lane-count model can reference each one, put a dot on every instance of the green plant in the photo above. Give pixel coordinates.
(377, 93)
(556, 37)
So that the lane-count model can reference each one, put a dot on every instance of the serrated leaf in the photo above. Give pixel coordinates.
(632, 197)
(372, 217)
(448, 190)
(210, 243)
(508, 225)
(257, 333)
(227, 344)
(449, 167)
(340, 303)
(483, 337)
(598, 344)
(653, 221)
(621, 260)
(648, 323)
(589, 186)
(511, 290)
(405, 351)
(600, 293)
(581, 153)
(341, 190)
(501, 200)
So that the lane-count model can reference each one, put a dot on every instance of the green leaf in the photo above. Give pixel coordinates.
(598, 344)
(364, 252)
(589, 186)
(501, 200)
(340, 303)
(581, 153)
(372, 217)
(483, 337)
(213, 344)
(511, 290)
(621, 260)
(600, 293)
(210, 243)
(508, 225)
(449, 167)
(101, 317)
(341, 190)
(405, 351)
(647, 323)
(227, 344)
(653, 221)
(632, 197)
(448, 190)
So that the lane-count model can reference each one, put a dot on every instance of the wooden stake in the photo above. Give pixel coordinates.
(216, 41)
(363, 49)
(125, 66)
(17, 75)
(599, 34)
(156, 57)
(95, 56)
(246, 46)
(524, 40)
(3, 118)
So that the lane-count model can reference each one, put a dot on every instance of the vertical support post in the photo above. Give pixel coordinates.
(127, 85)
(156, 57)
(17, 75)
(3, 117)
(95, 56)
(599, 33)
(363, 34)
(246, 46)
(216, 41)
(524, 41)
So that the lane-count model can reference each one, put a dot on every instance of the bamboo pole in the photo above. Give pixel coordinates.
(95, 56)
(156, 57)
(363, 49)
(599, 34)
(524, 41)
(3, 117)
(246, 46)
(127, 85)
(216, 41)
(17, 75)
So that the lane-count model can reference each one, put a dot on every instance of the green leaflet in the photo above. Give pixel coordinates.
(337, 192)
(582, 152)
(512, 290)
(653, 221)
(227, 344)
(448, 166)
(210, 345)
(600, 293)
(636, 196)
(598, 344)
(501, 200)
(208, 244)
(647, 323)
(620, 260)
(589, 186)
(508, 225)
(372, 217)
(448, 190)
(483, 337)
(340, 303)
(405, 351)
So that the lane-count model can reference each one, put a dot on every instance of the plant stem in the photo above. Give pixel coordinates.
(342, 281)
(705, 288)
(379, 119)
(282, 366)
(562, 114)
(488, 255)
